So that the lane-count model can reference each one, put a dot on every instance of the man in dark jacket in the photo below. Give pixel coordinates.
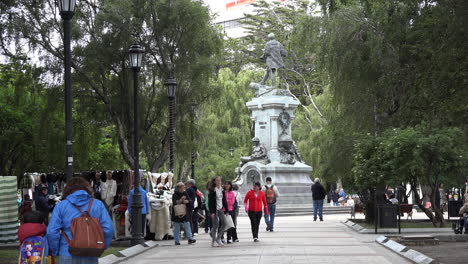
(192, 211)
(318, 194)
(42, 203)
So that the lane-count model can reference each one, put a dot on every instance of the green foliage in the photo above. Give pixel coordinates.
(429, 156)
(226, 124)
(175, 34)
(390, 64)
(32, 127)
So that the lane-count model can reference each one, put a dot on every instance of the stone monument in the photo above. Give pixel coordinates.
(274, 153)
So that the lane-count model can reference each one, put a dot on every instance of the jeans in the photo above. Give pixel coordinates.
(318, 206)
(188, 231)
(217, 230)
(270, 219)
(78, 260)
(255, 218)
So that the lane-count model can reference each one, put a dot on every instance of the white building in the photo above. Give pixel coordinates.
(230, 12)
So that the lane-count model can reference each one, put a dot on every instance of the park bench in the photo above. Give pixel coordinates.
(408, 209)
(357, 208)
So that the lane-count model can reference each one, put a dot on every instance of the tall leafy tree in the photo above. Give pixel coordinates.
(175, 34)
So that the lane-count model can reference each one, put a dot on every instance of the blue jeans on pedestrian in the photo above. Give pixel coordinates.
(188, 231)
(270, 219)
(318, 207)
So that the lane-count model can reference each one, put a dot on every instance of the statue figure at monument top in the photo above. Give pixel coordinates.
(259, 153)
(273, 55)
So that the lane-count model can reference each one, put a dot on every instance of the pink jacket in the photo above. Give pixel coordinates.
(230, 199)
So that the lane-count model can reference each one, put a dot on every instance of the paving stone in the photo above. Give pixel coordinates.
(418, 257)
(395, 246)
(151, 243)
(296, 240)
(131, 251)
(109, 259)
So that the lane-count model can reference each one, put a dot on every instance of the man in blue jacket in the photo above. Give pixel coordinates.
(77, 192)
(144, 210)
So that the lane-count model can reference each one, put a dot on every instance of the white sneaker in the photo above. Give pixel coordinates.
(213, 244)
(195, 234)
(220, 243)
(256, 240)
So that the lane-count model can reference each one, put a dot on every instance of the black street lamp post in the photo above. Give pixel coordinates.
(136, 58)
(67, 10)
(194, 154)
(171, 85)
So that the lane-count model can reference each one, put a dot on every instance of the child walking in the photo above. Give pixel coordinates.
(31, 234)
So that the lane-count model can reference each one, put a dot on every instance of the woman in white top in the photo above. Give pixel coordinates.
(108, 192)
(217, 204)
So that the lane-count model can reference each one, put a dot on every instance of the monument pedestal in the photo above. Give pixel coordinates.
(272, 116)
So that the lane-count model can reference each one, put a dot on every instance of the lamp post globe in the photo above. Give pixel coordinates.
(171, 86)
(67, 8)
(135, 54)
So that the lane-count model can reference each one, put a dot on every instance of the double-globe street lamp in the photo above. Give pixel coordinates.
(136, 59)
(171, 86)
(67, 10)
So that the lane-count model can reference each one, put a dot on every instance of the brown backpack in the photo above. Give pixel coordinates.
(88, 237)
(270, 195)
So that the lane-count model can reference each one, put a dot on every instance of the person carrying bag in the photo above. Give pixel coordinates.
(180, 199)
(80, 228)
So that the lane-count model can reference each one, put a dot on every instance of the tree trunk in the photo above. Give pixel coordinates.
(159, 161)
(437, 219)
(438, 215)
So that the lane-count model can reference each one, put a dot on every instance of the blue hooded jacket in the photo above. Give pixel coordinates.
(144, 201)
(63, 215)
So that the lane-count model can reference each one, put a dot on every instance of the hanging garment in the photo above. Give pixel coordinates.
(108, 192)
(8, 209)
(160, 222)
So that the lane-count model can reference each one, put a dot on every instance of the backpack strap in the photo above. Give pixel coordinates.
(89, 207)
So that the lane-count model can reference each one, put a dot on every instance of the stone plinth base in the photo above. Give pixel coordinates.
(293, 181)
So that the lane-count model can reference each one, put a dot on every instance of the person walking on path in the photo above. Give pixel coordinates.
(77, 193)
(192, 210)
(235, 188)
(318, 195)
(335, 197)
(272, 193)
(208, 222)
(254, 202)
(42, 203)
(231, 203)
(33, 242)
(217, 203)
(144, 202)
(181, 196)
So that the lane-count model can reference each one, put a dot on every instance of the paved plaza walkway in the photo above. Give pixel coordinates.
(296, 240)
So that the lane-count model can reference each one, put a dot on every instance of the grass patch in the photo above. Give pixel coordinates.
(10, 256)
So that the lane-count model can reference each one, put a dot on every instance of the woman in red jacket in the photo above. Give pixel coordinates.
(254, 202)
